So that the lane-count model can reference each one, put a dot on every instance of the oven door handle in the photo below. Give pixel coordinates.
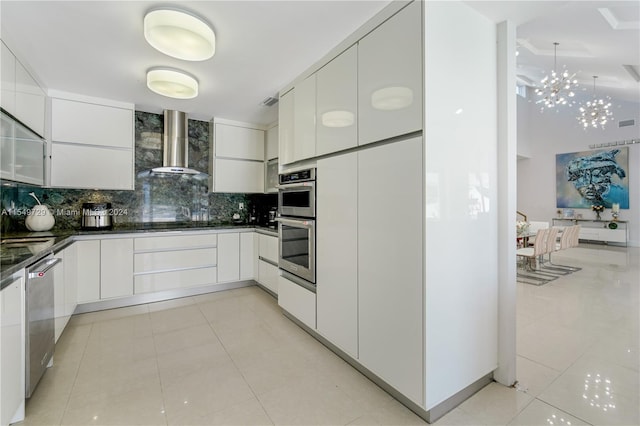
(287, 186)
(296, 222)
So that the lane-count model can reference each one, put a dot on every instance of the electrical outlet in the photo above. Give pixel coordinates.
(241, 206)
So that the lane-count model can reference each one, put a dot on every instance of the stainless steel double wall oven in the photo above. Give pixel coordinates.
(297, 225)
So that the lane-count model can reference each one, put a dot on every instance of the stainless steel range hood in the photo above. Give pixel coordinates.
(175, 141)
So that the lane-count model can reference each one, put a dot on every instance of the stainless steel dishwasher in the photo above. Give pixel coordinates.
(40, 322)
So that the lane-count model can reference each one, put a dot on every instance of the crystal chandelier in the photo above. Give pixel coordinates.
(556, 88)
(595, 112)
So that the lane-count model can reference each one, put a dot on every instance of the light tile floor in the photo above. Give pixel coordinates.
(231, 358)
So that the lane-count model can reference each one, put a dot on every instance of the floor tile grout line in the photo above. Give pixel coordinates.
(564, 411)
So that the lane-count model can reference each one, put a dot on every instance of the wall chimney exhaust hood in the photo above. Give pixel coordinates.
(175, 141)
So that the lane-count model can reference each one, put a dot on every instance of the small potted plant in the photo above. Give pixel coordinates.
(598, 208)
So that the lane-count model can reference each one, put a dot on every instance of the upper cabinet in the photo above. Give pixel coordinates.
(390, 77)
(92, 144)
(271, 143)
(286, 141)
(21, 152)
(337, 103)
(238, 158)
(304, 117)
(21, 95)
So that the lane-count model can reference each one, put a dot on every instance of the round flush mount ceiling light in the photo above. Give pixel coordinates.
(172, 83)
(179, 34)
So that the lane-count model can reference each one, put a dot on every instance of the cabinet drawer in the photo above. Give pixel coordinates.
(268, 276)
(298, 301)
(175, 242)
(179, 259)
(268, 247)
(150, 283)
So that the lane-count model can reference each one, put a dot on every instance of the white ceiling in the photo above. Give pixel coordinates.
(97, 48)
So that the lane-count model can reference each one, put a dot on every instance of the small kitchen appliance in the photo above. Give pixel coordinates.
(97, 216)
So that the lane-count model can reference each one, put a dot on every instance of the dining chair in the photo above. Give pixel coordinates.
(530, 274)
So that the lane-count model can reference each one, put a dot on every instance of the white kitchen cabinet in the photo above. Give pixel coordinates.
(88, 272)
(304, 118)
(390, 62)
(169, 262)
(271, 143)
(92, 144)
(12, 355)
(70, 268)
(238, 142)
(229, 257)
(248, 255)
(268, 262)
(59, 307)
(116, 267)
(337, 251)
(7, 79)
(30, 100)
(390, 259)
(298, 301)
(21, 95)
(337, 103)
(286, 138)
(238, 176)
(22, 152)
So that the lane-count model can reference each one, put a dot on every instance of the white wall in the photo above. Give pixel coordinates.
(461, 243)
(554, 132)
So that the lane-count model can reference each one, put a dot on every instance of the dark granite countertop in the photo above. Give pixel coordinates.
(37, 245)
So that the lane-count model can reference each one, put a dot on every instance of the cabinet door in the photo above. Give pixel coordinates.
(59, 308)
(7, 144)
(29, 157)
(390, 77)
(271, 143)
(268, 275)
(298, 301)
(30, 100)
(7, 79)
(82, 166)
(70, 268)
(116, 268)
(337, 106)
(88, 273)
(268, 249)
(239, 176)
(286, 138)
(337, 251)
(239, 142)
(390, 259)
(11, 351)
(228, 257)
(248, 255)
(304, 116)
(87, 123)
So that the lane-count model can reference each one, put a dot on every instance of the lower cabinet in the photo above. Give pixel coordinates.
(116, 268)
(12, 355)
(229, 257)
(172, 262)
(88, 272)
(268, 262)
(298, 301)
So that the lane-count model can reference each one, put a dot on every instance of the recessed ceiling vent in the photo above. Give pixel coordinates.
(270, 101)
(626, 123)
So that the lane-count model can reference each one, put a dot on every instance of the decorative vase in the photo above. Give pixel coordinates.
(39, 219)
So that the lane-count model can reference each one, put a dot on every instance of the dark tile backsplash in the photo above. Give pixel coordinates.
(155, 198)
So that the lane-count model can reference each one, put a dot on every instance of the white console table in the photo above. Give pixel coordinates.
(598, 230)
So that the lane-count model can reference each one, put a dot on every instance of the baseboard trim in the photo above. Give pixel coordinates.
(430, 415)
(140, 299)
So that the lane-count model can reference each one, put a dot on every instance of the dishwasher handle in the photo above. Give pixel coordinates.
(43, 268)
